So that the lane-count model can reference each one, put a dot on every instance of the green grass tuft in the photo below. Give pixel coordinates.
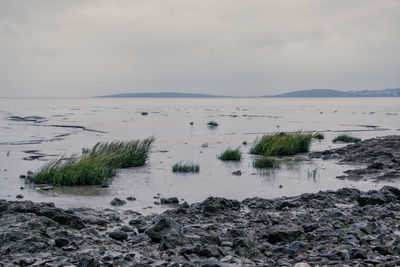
(319, 136)
(96, 165)
(231, 154)
(282, 144)
(212, 124)
(346, 139)
(185, 167)
(265, 162)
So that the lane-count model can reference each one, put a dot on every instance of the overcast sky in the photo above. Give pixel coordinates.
(227, 47)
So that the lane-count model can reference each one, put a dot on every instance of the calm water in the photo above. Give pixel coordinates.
(28, 145)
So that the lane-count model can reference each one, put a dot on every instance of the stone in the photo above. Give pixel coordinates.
(283, 234)
(19, 196)
(126, 228)
(131, 198)
(163, 227)
(61, 242)
(171, 200)
(118, 235)
(118, 202)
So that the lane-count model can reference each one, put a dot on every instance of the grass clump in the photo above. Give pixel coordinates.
(231, 154)
(346, 139)
(319, 136)
(282, 144)
(185, 167)
(96, 165)
(212, 124)
(265, 162)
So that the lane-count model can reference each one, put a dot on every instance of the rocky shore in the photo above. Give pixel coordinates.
(381, 156)
(331, 228)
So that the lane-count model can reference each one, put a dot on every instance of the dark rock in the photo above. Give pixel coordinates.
(22, 176)
(19, 196)
(356, 253)
(118, 235)
(118, 202)
(105, 184)
(61, 242)
(163, 227)
(171, 200)
(283, 233)
(215, 205)
(131, 198)
(126, 228)
(88, 262)
(139, 238)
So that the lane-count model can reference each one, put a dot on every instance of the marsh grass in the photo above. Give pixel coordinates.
(212, 124)
(282, 144)
(185, 167)
(231, 154)
(96, 165)
(319, 136)
(346, 139)
(265, 162)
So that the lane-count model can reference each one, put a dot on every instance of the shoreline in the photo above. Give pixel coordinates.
(346, 227)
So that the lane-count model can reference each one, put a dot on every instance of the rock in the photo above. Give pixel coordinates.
(19, 196)
(105, 185)
(126, 228)
(139, 238)
(283, 234)
(88, 262)
(215, 205)
(237, 173)
(118, 202)
(163, 227)
(131, 198)
(22, 176)
(171, 200)
(61, 242)
(118, 235)
(356, 253)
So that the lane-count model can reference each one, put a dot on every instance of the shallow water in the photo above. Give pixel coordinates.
(68, 125)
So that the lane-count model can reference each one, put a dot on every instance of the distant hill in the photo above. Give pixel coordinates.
(335, 93)
(165, 95)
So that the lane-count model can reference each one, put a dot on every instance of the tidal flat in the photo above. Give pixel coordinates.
(229, 213)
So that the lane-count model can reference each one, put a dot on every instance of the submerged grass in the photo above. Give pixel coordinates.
(265, 162)
(185, 167)
(212, 124)
(231, 154)
(346, 139)
(282, 144)
(96, 165)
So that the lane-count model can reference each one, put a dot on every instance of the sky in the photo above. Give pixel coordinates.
(71, 48)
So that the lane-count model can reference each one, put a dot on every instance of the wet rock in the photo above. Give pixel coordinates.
(20, 196)
(356, 253)
(22, 176)
(118, 235)
(237, 173)
(126, 228)
(283, 234)
(214, 205)
(105, 185)
(118, 202)
(88, 262)
(131, 198)
(46, 188)
(61, 242)
(171, 200)
(163, 227)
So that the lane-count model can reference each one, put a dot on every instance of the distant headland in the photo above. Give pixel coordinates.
(312, 93)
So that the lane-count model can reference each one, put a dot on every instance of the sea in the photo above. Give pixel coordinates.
(34, 131)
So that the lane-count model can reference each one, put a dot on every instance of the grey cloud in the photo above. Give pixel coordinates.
(85, 48)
